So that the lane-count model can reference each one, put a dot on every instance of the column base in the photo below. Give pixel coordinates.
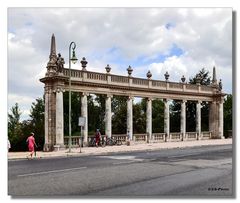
(59, 147)
(48, 147)
(85, 144)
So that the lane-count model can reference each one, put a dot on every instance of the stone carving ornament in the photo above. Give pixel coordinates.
(60, 63)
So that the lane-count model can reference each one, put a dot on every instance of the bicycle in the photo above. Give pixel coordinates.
(110, 141)
(92, 143)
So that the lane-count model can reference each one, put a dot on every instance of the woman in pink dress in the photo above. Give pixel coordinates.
(31, 142)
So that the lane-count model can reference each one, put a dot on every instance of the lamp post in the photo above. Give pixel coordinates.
(72, 59)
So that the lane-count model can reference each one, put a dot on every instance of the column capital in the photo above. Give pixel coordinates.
(166, 100)
(184, 101)
(58, 89)
(149, 98)
(199, 101)
(130, 97)
(85, 94)
(109, 95)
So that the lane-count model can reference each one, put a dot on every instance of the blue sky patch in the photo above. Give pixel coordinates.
(168, 26)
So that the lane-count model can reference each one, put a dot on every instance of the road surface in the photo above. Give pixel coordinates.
(187, 172)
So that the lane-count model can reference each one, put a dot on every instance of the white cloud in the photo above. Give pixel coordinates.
(134, 36)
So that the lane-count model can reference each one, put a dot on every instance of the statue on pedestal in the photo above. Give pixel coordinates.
(60, 61)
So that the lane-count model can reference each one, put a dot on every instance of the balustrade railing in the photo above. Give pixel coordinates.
(206, 135)
(143, 138)
(160, 84)
(191, 87)
(138, 82)
(174, 85)
(119, 79)
(121, 138)
(140, 137)
(175, 136)
(159, 137)
(96, 76)
(75, 141)
(191, 135)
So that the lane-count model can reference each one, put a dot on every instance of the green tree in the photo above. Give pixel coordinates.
(204, 75)
(157, 116)
(227, 106)
(139, 117)
(37, 121)
(119, 118)
(14, 127)
(175, 113)
(75, 111)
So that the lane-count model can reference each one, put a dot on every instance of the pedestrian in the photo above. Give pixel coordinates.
(97, 137)
(31, 143)
(9, 145)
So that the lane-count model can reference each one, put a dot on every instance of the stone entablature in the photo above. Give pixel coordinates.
(87, 80)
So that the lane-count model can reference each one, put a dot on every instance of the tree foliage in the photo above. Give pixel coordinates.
(19, 131)
(227, 106)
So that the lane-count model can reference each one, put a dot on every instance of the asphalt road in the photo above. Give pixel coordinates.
(188, 172)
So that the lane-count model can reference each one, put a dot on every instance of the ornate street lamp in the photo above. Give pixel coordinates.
(72, 59)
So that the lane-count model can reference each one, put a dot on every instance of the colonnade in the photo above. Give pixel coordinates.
(215, 117)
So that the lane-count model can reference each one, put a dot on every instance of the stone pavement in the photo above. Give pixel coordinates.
(123, 148)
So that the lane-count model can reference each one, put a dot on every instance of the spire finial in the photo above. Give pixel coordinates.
(53, 48)
(214, 79)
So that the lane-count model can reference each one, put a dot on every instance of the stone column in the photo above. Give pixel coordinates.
(108, 116)
(198, 119)
(46, 120)
(220, 121)
(130, 117)
(84, 113)
(183, 119)
(59, 119)
(149, 118)
(213, 122)
(166, 118)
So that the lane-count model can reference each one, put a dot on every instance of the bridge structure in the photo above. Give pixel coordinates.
(86, 82)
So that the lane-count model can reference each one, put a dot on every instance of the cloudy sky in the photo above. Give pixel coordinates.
(180, 41)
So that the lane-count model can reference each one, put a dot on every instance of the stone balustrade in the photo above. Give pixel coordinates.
(143, 137)
(103, 78)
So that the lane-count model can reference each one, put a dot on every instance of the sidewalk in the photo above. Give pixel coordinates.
(123, 148)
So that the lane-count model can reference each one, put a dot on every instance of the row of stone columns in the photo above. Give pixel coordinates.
(215, 112)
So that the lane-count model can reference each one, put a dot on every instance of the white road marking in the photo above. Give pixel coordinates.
(129, 159)
(47, 172)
